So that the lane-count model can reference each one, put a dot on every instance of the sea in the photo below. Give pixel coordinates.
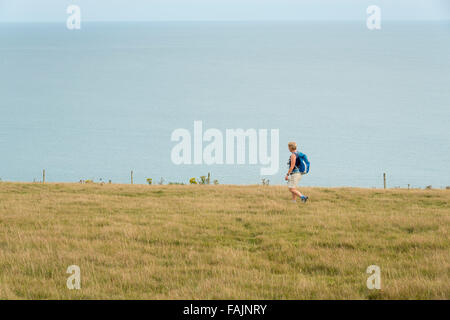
(102, 101)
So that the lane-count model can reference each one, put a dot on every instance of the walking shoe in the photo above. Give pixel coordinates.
(304, 198)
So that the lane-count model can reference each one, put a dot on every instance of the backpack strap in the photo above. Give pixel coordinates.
(297, 156)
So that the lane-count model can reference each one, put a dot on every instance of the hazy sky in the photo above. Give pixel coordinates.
(154, 10)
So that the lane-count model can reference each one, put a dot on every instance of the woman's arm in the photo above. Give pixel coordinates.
(293, 158)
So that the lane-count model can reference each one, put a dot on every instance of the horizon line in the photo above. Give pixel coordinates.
(227, 20)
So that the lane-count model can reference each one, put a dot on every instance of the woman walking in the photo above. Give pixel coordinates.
(298, 165)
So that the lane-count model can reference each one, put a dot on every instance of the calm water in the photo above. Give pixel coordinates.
(102, 101)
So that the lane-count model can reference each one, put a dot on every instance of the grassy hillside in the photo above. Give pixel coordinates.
(211, 242)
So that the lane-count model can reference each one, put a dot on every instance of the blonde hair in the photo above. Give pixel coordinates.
(292, 145)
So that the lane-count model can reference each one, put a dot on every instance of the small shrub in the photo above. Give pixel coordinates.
(88, 181)
(447, 187)
(429, 187)
(149, 181)
(265, 182)
(202, 180)
(216, 182)
(192, 181)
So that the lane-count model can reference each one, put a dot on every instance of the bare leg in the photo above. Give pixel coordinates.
(295, 193)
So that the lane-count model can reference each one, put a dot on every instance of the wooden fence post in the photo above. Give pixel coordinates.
(384, 180)
(131, 176)
(43, 176)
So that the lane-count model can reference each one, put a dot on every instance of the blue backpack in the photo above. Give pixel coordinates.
(302, 162)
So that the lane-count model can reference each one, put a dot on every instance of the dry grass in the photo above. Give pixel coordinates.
(211, 242)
